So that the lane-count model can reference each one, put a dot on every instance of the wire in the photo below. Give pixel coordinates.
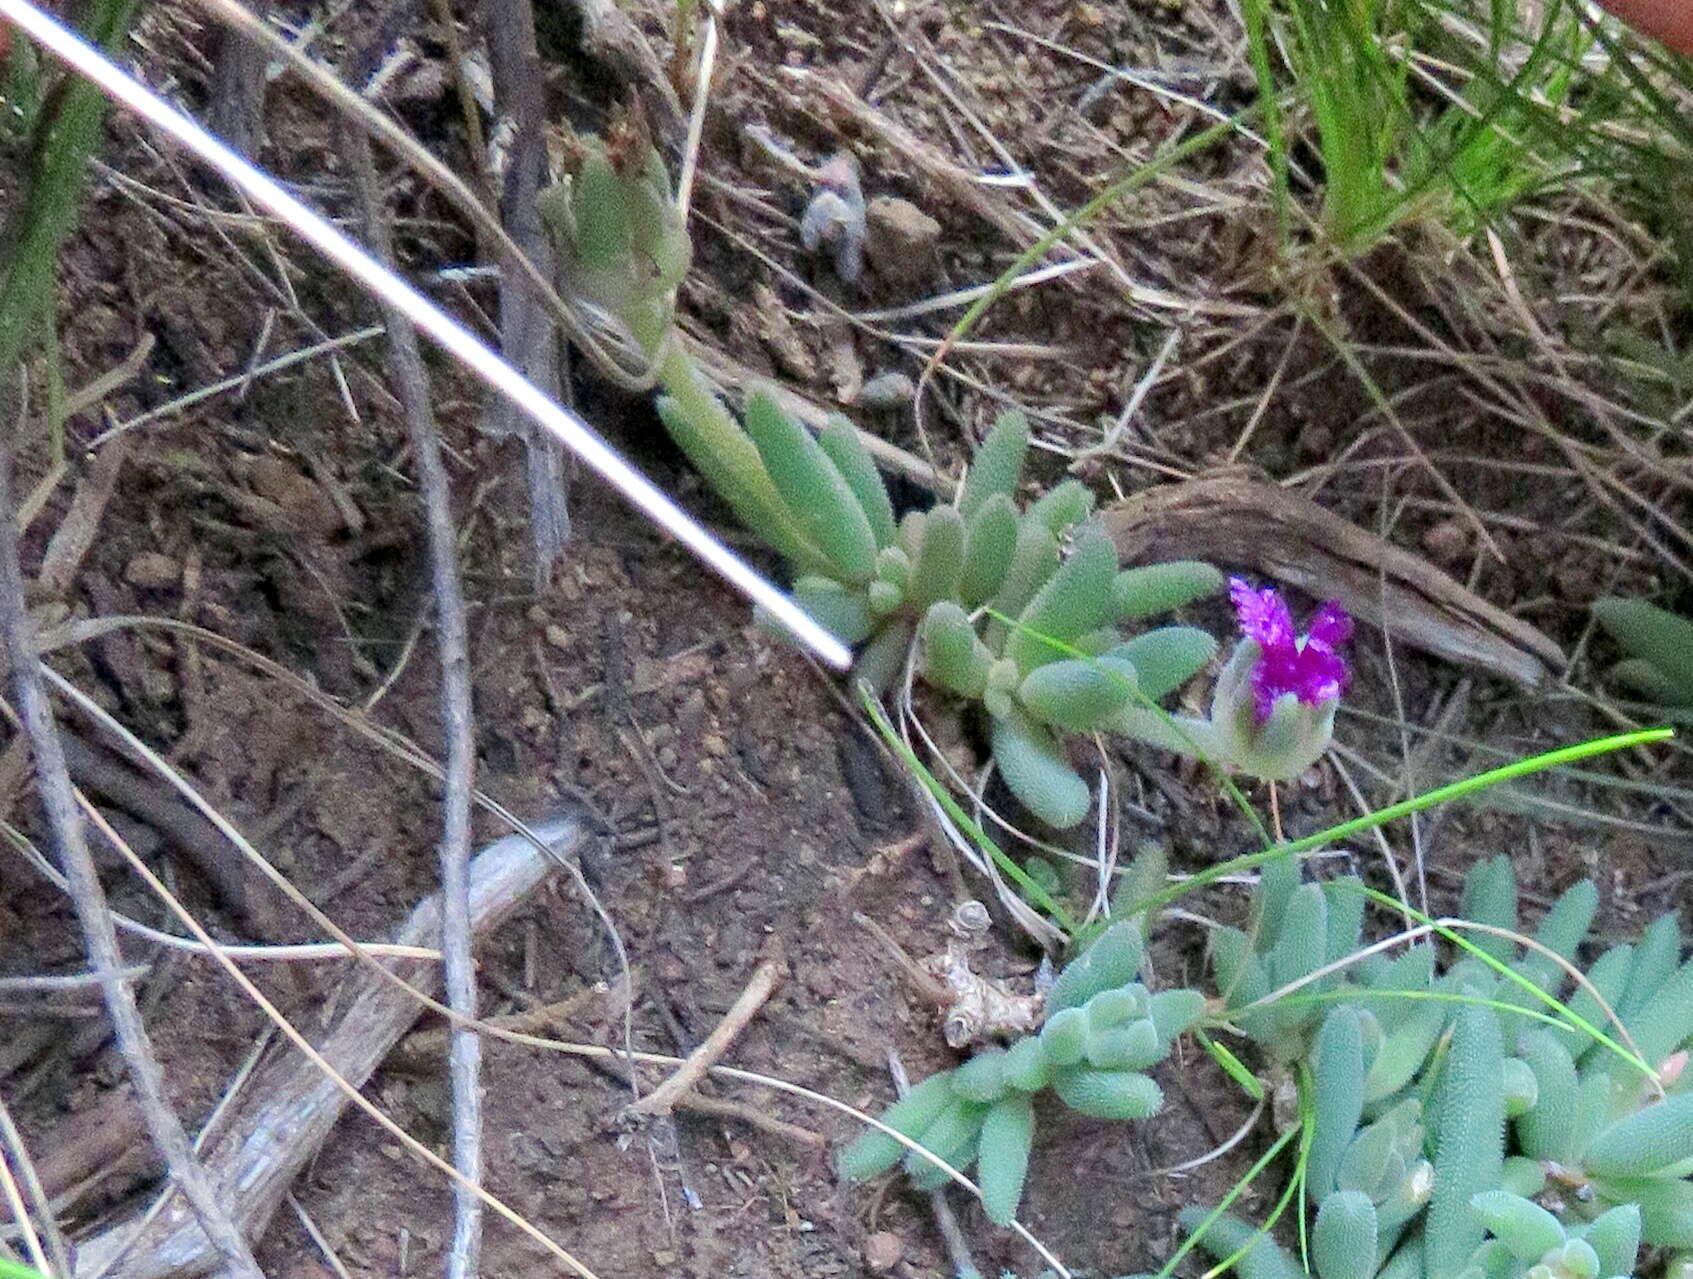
(431, 320)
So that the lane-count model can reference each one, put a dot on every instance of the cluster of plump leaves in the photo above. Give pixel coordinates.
(1000, 613)
(1103, 1031)
(1657, 649)
(1016, 609)
(1461, 1126)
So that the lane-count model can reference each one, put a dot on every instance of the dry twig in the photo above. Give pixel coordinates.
(290, 1104)
(465, 1055)
(58, 799)
(758, 989)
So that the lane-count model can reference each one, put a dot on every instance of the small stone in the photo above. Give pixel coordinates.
(891, 390)
(716, 744)
(557, 636)
(1448, 541)
(152, 571)
(882, 1251)
(900, 239)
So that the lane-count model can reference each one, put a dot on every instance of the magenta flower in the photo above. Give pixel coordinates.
(1307, 666)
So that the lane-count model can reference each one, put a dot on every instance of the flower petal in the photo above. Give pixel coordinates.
(1317, 675)
(1330, 628)
(1263, 616)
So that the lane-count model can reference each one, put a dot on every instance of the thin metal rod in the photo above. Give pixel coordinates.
(435, 323)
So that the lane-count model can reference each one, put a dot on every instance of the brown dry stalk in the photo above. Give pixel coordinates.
(764, 980)
(452, 640)
(58, 798)
(276, 1125)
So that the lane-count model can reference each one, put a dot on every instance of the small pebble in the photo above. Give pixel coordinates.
(1448, 541)
(882, 1251)
(887, 391)
(152, 571)
(900, 239)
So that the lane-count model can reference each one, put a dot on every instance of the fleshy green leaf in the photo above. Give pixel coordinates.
(1520, 1088)
(1544, 1131)
(954, 658)
(990, 541)
(813, 488)
(1261, 1257)
(1174, 1012)
(1003, 1163)
(1065, 504)
(1108, 1094)
(1110, 962)
(998, 464)
(1167, 658)
(1527, 1229)
(982, 1078)
(1035, 769)
(1078, 695)
(875, 1151)
(1469, 1147)
(882, 661)
(1645, 1142)
(940, 558)
(729, 462)
(1074, 600)
(1490, 897)
(1343, 1243)
(951, 1137)
(1034, 559)
(1027, 1067)
(1615, 1237)
(1337, 1073)
(1159, 588)
(843, 611)
(839, 440)
(1064, 1037)
(600, 208)
(1131, 1047)
(1653, 635)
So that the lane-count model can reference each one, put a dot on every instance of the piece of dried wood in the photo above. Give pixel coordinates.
(286, 1109)
(1234, 521)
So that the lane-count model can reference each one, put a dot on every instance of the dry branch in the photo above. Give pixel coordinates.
(210, 1220)
(452, 642)
(527, 335)
(288, 1105)
(1290, 538)
(758, 989)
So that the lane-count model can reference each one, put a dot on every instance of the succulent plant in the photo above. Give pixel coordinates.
(1272, 711)
(1657, 647)
(1461, 1124)
(1103, 1030)
(1019, 610)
